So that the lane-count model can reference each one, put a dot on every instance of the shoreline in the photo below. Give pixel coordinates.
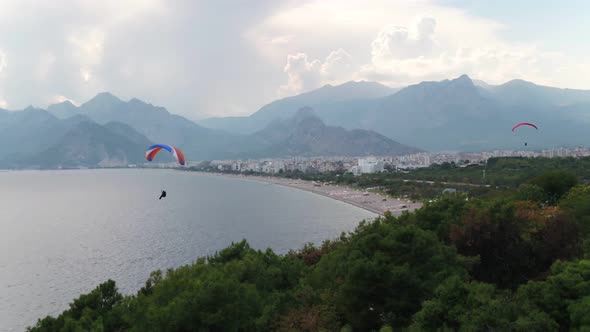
(367, 200)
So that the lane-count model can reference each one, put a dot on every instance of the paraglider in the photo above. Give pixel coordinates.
(525, 124)
(154, 149)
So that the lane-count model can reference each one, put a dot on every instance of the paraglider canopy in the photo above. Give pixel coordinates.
(154, 149)
(525, 124)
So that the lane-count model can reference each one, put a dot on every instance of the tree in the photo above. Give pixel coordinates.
(383, 273)
(530, 192)
(580, 319)
(563, 296)
(92, 311)
(515, 241)
(577, 202)
(472, 306)
(494, 235)
(555, 184)
(438, 216)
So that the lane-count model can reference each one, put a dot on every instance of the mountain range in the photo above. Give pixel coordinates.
(109, 132)
(352, 92)
(456, 114)
(35, 138)
(352, 119)
(305, 134)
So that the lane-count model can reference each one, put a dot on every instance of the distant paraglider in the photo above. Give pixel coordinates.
(525, 124)
(154, 149)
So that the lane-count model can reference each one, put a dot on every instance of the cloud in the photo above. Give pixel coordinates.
(400, 43)
(2, 61)
(216, 58)
(60, 99)
(304, 75)
(400, 56)
(396, 42)
(45, 64)
(87, 49)
(3, 103)
(337, 67)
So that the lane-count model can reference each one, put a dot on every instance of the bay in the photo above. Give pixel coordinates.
(64, 232)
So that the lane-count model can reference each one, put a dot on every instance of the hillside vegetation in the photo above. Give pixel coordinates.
(517, 262)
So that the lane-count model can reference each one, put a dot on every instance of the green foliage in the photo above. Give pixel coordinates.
(439, 216)
(514, 242)
(383, 273)
(563, 296)
(508, 259)
(577, 202)
(95, 311)
(555, 184)
(474, 306)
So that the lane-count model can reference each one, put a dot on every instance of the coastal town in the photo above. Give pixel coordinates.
(374, 164)
(374, 201)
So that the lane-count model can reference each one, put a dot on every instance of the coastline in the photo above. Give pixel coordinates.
(370, 201)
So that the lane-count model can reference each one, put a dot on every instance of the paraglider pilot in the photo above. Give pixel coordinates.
(163, 194)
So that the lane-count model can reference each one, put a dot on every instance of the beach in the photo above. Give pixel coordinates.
(371, 201)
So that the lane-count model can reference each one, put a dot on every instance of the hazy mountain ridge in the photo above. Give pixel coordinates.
(518, 92)
(446, 115)
(28, 132)
(305, 134)
(287, 107)
(88, 144)
(156, 123)
(458, 114)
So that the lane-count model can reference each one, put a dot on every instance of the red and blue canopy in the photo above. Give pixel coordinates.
(154, 149)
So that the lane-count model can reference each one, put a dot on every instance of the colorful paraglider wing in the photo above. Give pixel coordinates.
(154, 149)
(524, 124)
(178, 155)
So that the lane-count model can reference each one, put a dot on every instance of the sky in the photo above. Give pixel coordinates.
(230, 57)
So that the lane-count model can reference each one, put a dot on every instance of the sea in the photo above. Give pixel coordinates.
(64, 232)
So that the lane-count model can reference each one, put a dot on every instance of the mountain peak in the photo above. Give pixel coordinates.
(518, 82)
(306, 134)
(137, 101)
(104, 98)
(462, 80)
(63, 110)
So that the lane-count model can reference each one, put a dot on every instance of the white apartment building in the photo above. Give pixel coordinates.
(370, 165)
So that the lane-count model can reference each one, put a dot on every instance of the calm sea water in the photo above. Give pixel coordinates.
(64, 232)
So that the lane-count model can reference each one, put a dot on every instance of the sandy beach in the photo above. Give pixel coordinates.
(370, 201)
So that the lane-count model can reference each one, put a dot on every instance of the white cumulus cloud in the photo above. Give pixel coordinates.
(304, 74)
(2, 61)
(404, 42)
(406, 55)
(398, 42)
